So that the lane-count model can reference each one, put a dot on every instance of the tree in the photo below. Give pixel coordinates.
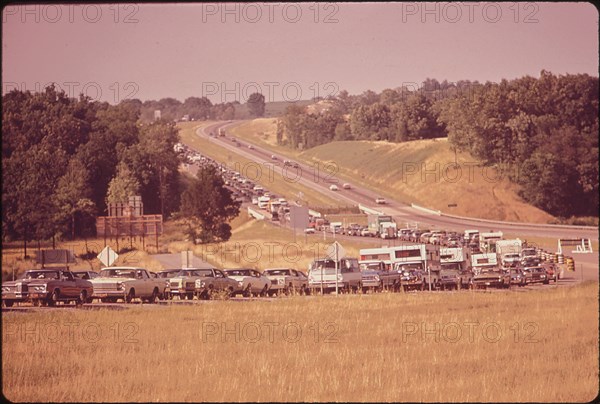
(207, 206)
(72, 195)
(256, 105)
(122, 186)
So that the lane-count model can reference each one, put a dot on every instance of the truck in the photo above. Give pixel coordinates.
(263, 202)
(509, 252)
(483, 261)
(322, 275)
(487, 241)
(221, 132)
(423, 257)
(455, 272)
(376, 268)
(379, 224)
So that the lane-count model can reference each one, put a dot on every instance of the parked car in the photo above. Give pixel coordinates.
(333, 187)
(286, 280)
(59, 286)
(126, 283)
(213, 281)
(250, 281)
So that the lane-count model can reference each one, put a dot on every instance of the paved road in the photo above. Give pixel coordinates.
(320, 180)
(175, 261)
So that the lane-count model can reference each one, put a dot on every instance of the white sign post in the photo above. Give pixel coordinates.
(337, 252)
(108, 256)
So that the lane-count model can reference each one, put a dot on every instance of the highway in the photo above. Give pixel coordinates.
(320, 179)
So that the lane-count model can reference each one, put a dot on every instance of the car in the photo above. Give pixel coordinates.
(286, 281)
(450, 279)
(59, 286)
(492, 278)
(126, 283)
(536, 274)
(309, 230)
(85, 274)
(166, 275)
(517, 277)
(183, 284)
(273, 157)
(366, 232)
(530, 261)
(250, 281)
(551, 271)
(251, 147)
(214, 281)
(346, 186)
(380, 201)
(424, 238)
(333, 187)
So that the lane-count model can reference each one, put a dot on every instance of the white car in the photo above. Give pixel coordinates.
(309, 230)
(347, 186)
(273, 157)
(250, 281)
(333, 187)
(380, 201)
(126, 283)
(251, 147)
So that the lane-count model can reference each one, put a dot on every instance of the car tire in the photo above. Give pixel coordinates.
(54, 298)
(8, 303)
(264, 291)
(82, 298)
(130, 296)
(248, 291)
(154, 296)
(190, 295)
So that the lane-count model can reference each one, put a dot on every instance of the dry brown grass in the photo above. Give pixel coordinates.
(159, 354)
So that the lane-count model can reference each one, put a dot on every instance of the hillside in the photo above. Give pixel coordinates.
(429, 179)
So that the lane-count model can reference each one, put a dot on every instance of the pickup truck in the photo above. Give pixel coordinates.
(377, 277)
(59, 286)
(126, 283)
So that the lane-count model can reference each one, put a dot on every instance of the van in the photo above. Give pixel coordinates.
(322, 274)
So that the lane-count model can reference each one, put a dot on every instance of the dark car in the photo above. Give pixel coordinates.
(535, 275)
(54, 286)
(551, 271)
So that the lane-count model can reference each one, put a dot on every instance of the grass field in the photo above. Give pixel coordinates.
(420, 172)
(270, 179)
(469, 346)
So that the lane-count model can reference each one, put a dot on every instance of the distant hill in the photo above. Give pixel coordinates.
(429, 177)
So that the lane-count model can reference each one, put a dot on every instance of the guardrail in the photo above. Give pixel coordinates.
(369, 211)
(255, 214)
(426, 210)
(538, 225)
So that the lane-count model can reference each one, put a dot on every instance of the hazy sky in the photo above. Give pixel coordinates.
(287, 51)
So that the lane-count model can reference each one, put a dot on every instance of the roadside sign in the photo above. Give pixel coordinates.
(108, 256)
(333, 254)
(60, 256)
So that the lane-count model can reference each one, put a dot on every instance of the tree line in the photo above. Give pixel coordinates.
(64, 160)
(545, 130)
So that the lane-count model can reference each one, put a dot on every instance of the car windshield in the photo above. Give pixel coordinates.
(238, 272)
(117, 273)
(196, 272)
(273, 272)
(170, 274)
(41, 275)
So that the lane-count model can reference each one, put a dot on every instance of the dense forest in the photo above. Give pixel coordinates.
(63, 159)
(544, 131)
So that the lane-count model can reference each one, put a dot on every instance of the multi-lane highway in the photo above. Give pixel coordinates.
(321, 179)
